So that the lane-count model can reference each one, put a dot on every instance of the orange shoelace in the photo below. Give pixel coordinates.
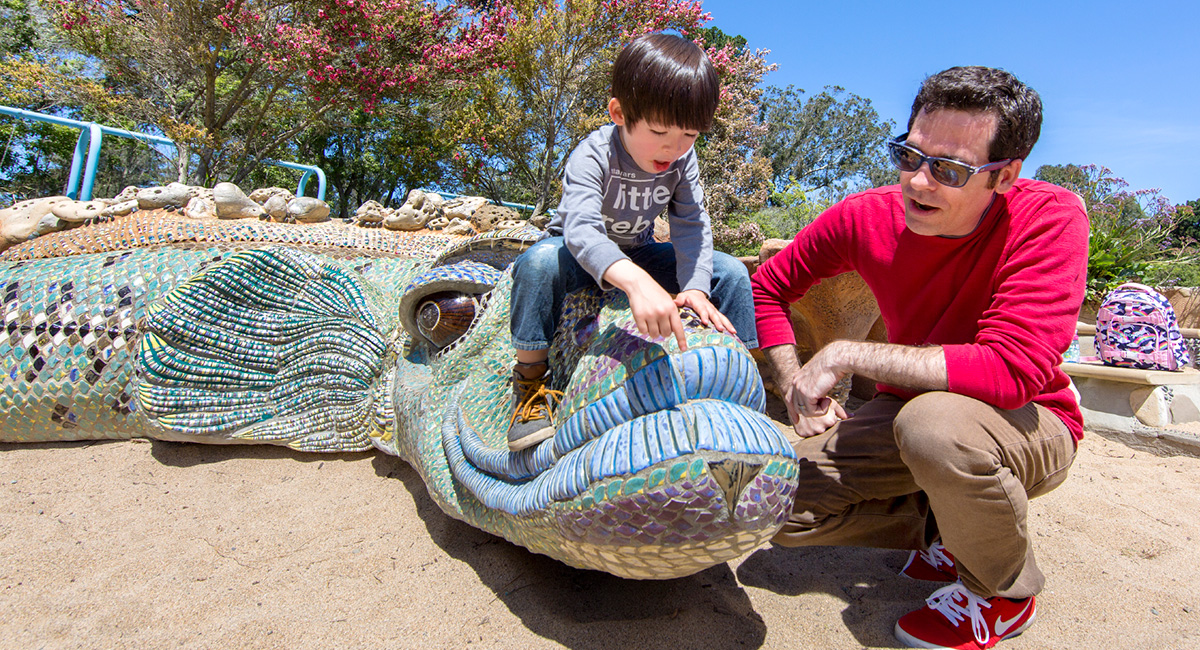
(537, 402)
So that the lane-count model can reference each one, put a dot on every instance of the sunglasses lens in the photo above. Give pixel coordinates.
(905, 159)
(949, 173)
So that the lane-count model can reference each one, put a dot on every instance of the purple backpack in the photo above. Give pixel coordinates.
(1136, 328)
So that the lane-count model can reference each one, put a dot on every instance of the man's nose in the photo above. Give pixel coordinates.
(923, 177)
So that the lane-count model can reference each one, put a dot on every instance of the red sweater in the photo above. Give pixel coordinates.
(1002, 302)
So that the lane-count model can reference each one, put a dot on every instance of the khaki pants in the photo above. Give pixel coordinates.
(881, 477)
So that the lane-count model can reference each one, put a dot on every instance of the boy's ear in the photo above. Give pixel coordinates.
(615, 113)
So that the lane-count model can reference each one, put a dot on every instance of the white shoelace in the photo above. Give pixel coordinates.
(936, 555)
(945, 601)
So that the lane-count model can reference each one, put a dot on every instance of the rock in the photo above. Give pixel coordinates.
(459, 227)
(371, 213)
(200, 207)
(508, 224)
(232, 203)
(276, 207)
(463, 207)
(127, 194)
(540, 220)
(770, 248)
(404, 217)
(119, 209)
(25, 220)
(176, 194)
(78, 211)
(487, 216)
(304, 209)
(264, 194)
(417, 210)
(438, 223)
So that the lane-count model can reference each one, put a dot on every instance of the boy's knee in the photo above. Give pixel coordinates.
(730, 270)
(540, 260)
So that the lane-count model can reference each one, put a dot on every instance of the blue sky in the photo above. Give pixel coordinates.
(1120, 81)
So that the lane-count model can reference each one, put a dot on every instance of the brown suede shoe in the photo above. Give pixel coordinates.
(533, 406)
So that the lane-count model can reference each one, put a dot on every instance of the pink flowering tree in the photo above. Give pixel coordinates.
(233, 82)
(736, 176)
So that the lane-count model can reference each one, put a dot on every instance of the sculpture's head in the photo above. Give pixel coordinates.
(662, 464)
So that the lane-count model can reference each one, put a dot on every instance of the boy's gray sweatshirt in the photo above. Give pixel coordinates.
(609, 204)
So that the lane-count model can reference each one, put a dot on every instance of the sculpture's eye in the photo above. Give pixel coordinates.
(443, 317)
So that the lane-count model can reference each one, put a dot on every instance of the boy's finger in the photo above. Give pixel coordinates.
(677, 327)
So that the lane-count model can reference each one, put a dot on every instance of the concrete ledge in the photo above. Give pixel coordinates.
(1160, 442)
(1132, 375)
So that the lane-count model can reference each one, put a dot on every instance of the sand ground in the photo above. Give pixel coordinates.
(153, 544)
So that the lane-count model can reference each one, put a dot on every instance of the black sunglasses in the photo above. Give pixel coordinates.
(948, 172)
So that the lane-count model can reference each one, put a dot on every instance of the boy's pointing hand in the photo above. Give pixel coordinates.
(704, 308)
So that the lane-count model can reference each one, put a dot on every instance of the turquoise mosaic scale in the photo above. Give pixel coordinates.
(662, 464)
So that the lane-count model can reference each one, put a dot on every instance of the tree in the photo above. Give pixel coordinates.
(235, 82)
(1131, 230)
(834, 142)
(518, 129)
(736, 177)
(372, 156)
(1187, 222)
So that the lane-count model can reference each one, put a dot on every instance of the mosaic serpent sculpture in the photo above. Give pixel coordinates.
(662, 465)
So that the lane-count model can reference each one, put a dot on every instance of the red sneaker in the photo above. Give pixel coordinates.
(956, 619)
(935, 564)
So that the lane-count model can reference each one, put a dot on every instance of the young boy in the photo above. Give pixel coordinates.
(665, 92)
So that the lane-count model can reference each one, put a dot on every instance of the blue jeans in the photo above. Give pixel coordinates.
(547, 272)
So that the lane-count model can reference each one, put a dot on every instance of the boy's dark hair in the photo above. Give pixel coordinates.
(1017, 107)
(667, 80)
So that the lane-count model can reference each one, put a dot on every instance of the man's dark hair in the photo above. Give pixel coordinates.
(976, 89)
(667, 80)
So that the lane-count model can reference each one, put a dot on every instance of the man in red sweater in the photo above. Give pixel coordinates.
(979, 276)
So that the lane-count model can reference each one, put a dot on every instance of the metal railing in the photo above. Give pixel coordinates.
(82, 177)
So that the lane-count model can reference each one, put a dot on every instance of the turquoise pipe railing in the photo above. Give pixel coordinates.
(91, 135)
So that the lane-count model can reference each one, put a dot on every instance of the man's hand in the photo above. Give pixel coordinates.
(788, 377)
(810, 426)
(704, 308)
(808, 393)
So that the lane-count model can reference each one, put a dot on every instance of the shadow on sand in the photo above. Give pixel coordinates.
(587, 610)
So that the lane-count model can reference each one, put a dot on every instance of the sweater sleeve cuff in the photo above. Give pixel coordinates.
(596, 260)
(967, 371)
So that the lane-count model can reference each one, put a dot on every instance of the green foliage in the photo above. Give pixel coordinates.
(1187, 222)
(833, 142)
(17, 27)
(1132, 231)
(376, 156)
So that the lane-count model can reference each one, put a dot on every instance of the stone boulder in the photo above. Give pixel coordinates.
(459, 227)
(463, 207)
(78, 211)
(25, 220)
(487, 216)
(276, 207)
(304, 209)
(176, 194)
(232, 203)
(417, 210)
(200, 207)
(371, 213)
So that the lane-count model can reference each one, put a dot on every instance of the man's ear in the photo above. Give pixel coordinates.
(615, 113)
(1008, 176)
